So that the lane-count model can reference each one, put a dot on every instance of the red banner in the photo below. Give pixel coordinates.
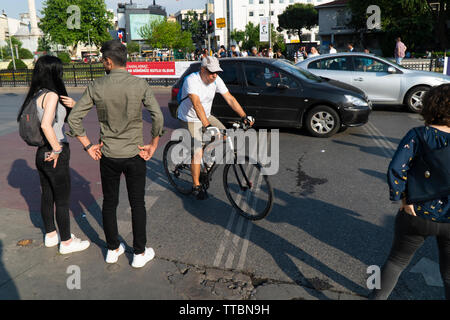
(163, 68)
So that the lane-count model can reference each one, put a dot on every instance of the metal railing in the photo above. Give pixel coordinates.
(74, 76)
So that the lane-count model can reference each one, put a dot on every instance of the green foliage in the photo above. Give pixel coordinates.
(44, 45)
(238, 36)
(412, 20)
(25, 54)
(94, 18)
(64, 56)
(133, 47)
(19, 65)
(251, 38)
(297, 17)
(166, 35)
(195, 26)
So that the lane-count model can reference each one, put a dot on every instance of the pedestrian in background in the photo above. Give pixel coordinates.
(49, 96)
(313, 52)
(350, 47)
(400, 50)
(417, 220)
(331, 48)
(118, 98)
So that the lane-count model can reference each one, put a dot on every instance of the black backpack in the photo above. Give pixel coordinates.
(30, 125)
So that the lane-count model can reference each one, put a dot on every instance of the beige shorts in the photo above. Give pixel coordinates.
(195, 129)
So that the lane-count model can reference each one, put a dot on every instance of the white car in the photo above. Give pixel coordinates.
(383, 81)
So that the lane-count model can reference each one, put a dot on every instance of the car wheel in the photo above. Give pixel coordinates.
(414, 98)
(322, 122)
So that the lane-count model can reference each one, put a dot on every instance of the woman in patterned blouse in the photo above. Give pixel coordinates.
(415, 222)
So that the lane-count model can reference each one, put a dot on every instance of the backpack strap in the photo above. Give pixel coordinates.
(42, 105)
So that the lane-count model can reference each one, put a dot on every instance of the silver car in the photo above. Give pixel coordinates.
(383, 81)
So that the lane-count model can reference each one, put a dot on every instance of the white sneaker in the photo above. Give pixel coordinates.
(140, 260)
(51, 241)
(74, 246)
(112, 255)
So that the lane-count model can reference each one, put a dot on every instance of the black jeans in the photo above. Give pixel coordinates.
(55, 185)
(410, 234)
(135, 170)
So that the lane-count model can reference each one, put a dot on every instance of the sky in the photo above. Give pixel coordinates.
(14, 7)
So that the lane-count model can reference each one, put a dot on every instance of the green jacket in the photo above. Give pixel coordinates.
(118, 98)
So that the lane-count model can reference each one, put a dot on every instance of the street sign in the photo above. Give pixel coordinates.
(264, 29)
(220, 23)
(120, 35)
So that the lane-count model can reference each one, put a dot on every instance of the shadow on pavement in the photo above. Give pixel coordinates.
(26, 179)
(8, 290)
(335, 226)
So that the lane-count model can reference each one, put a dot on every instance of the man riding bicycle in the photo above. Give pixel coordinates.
(194, 113)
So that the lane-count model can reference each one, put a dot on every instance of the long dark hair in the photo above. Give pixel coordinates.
(47, 74)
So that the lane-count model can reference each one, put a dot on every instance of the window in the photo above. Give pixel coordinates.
(261, 13)
(364, 64)
(264, 77)
(250, 13)
(291, 1)
(250, 1)
(229, 74)
(338, 64)
(271, 13)
(281, 1)
(261, 1)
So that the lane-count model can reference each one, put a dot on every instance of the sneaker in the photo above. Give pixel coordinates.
(74, 246)
(51, 241)
(140, 260)
(199, 192)
(112, 255)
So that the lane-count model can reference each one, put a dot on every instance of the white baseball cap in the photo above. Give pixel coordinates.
(211, 63)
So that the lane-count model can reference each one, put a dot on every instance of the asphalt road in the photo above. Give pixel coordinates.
(332, 216)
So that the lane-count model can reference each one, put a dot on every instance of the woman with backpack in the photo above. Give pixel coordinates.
(419, 176)
(48, 95)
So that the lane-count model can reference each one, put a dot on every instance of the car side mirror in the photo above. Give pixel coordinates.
(391, 70)
(282, 86)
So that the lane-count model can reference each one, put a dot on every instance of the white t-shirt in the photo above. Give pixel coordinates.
(194, 84)
(333, 50)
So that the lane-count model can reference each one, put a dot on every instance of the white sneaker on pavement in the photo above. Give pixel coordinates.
(51, 241)
(74, 246)
(112, 255)
(140, 260)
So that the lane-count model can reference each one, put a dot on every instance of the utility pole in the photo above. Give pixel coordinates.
(270, 26)
(206, 21)
(10, 43)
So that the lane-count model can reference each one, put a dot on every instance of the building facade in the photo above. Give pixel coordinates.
(238, 13)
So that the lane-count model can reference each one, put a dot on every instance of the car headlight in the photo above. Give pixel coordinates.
(356, 101)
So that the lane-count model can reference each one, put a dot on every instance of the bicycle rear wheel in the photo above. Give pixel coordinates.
(177, 168)
(248, 190)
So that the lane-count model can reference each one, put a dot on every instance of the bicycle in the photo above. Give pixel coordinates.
(248, 190)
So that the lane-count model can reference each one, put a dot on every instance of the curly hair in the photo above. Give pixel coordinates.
(436, 106)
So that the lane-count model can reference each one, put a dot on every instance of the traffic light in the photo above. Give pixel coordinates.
(210, 26)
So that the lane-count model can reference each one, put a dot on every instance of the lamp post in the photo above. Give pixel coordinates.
(10, 43)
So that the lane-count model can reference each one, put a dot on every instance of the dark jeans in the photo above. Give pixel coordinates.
(55, 185)
(135, 170)
(410, 234)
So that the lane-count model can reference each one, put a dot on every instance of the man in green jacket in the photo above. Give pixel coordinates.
(118, 98)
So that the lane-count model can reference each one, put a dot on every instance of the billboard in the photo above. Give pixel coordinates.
(137, 21)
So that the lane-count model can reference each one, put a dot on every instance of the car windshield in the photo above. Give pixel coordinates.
(297, 71)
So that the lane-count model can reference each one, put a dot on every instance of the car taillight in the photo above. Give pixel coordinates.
(175, 93)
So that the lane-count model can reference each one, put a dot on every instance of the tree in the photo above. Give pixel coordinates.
(19, 65)
(297, 17)
(133, 47)
(44, 44)
(94, 19)
(412, 20)
(165, 34)
(237, 36)
(251, 38)
(195, 26)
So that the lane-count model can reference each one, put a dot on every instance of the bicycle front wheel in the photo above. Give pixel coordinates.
(177, 168)
(248, 190)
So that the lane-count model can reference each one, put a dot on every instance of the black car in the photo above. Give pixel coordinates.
(279, 94)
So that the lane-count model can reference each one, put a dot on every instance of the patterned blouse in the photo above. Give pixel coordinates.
(437, 210)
